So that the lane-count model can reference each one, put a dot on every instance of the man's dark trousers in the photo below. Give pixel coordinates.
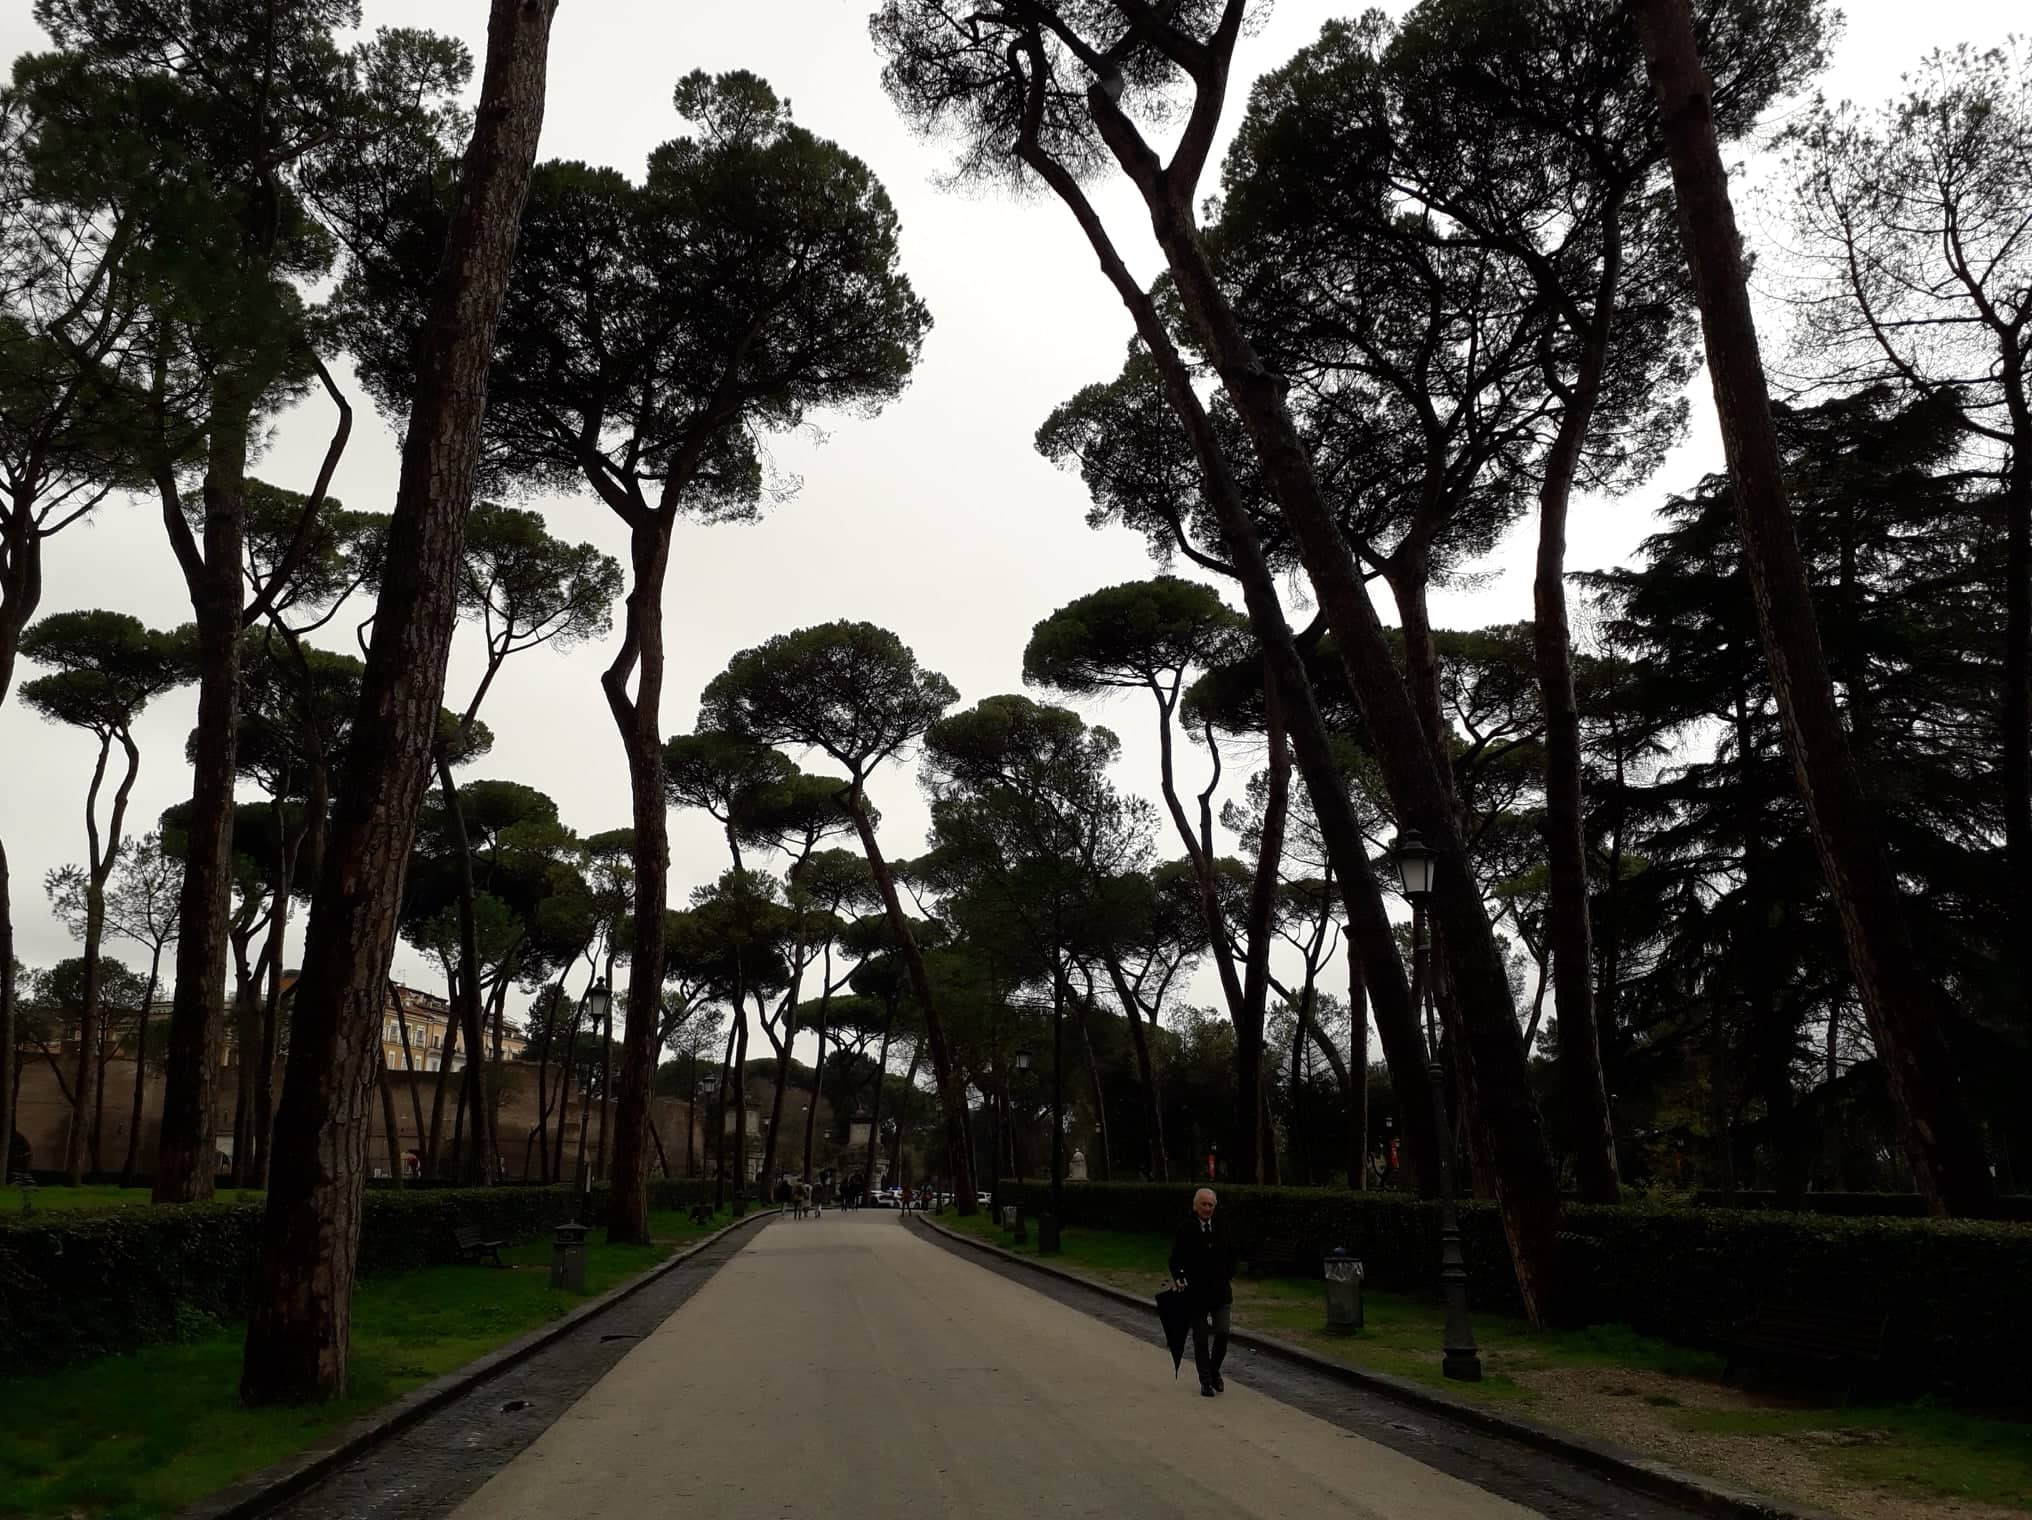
(1208, 1361)
(1203, 1258)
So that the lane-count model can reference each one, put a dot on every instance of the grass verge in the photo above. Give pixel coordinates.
(1607, 1380)
(129, 1437)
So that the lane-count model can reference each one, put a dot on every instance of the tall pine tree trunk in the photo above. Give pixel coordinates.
(1583, 1091)
(639, 720)
(1132, 1010)
(951, 1092)
(482, 1166)
(299, 1324)
(184, 1163)
(1257, 1161)
(1528, 1192)
(1347, 846)
(1905, 1012)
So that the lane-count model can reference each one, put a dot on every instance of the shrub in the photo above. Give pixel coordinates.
(76, 1287)
(1961, 1321)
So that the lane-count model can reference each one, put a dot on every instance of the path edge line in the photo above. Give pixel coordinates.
(262, 1491)
(1634, 1468)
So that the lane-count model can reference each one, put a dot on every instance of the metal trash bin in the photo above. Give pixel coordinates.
(1343, 1293)
(1047, 1234)
(568, 1257)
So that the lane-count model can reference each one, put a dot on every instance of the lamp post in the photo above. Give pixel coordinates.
(1462, 1360)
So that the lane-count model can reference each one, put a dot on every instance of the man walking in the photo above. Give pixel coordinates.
(1203, 1267)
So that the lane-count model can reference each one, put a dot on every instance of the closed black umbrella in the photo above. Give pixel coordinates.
(1177, 1317)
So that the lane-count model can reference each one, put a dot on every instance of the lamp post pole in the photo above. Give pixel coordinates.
(1461, 1358)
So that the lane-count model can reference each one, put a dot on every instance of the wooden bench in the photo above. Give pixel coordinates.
(1798, 1334)
(472, 1248)
(1275, 1253)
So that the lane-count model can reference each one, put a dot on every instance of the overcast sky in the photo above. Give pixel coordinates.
(936, 519)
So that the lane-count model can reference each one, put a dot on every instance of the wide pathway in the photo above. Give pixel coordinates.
(849, 1366)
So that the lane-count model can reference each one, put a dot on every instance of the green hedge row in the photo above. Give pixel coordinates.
(1956, 1292)
(74, 1287)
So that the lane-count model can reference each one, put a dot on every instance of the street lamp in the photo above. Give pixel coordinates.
(1416, 862)
(1023, 1058)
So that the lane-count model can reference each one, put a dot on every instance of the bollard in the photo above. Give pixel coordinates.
(1343, 1293)
(568, 1257)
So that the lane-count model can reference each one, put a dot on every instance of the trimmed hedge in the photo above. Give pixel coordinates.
(1956, 1291)
(78, 1286)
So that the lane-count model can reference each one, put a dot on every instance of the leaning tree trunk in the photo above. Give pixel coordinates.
(772, 1139)
(881, 1071)
(8, 1060)
(1906, 1017)
(409, 1066)
(951, 1095)
(184, 1168)
(639, 720)
(140, 1069)
(825, 998)
(1358, 1073)
(2015, 769)
(1160, 1164)
(1257, 1161)
(1347, 846)
(299, 1324)
(1528, 1193)
(1583, 1091)
(77, 1139)
(392, 1129)
(482, 1165)
(1100, 1098)
(433, 1153)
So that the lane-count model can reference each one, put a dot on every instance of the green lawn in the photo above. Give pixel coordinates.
(1921, 1450)
(98, 1198)
(132, 1436)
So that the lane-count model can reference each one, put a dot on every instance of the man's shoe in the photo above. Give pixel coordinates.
(1219, 1386)
(1206, 1390)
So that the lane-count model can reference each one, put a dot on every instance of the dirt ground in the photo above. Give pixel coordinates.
(1610, 1402)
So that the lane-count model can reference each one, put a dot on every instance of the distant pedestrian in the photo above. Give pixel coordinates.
(1203, 1267)
(803, 1199)
(783, 1195)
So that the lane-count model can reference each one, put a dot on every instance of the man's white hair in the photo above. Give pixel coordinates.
(1208, 1193)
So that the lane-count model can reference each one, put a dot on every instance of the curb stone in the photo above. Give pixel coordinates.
(261, 1492)
(1659, 1479)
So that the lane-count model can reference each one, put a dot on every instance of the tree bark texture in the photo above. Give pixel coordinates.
(951, 1094)
(1528, 1187)
(1905, 1012)
(639, 720)
(184, 1167)
(299, 1323)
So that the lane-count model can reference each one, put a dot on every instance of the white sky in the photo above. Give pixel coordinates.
(937, 519)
